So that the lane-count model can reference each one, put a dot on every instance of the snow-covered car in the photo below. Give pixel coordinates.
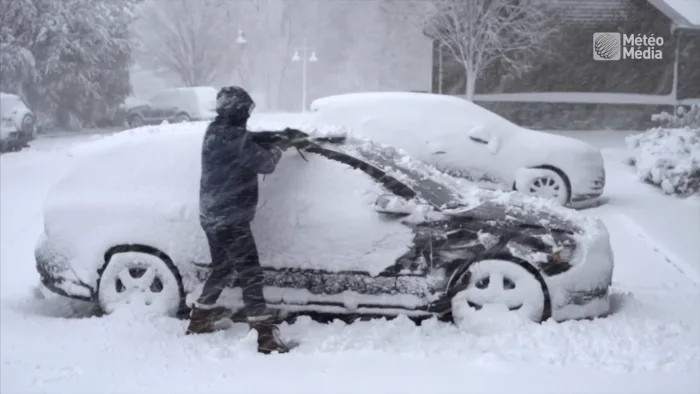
(18, 123)
(175, 106)
(351, 228)
(468, 141)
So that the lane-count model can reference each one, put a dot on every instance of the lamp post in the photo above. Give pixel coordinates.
(440, 68)
(304, 58)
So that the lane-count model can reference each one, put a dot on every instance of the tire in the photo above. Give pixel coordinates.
(135, 120)
(517, 285)
(28, 125)
(143, 281)
(181, 118)
(550, 185)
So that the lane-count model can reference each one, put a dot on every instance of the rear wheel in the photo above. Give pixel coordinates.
(547, 184)
(505, 283)
(141, 281)
(28, 125)
(135, 120)
(181, 118)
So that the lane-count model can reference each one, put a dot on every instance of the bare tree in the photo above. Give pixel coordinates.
(194, 40)
(480, 33)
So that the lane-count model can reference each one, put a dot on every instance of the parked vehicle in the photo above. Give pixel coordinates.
(468, 141)
(175, 106)
(351, 228)
(18, 126)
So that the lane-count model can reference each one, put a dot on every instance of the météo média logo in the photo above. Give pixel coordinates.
(616, 46)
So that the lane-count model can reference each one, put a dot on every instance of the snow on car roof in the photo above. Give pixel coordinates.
(198, 90)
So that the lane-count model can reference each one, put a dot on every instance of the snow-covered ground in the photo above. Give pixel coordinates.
(650, 345)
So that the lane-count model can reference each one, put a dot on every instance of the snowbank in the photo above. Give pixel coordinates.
(669, 156)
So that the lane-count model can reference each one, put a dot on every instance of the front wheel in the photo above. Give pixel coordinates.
(504, 283)
(544, 183)
(139, 280)
(28, 125)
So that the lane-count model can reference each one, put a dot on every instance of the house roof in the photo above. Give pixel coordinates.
(685, 14)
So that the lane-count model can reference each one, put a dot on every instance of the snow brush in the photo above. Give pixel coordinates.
(296, 138)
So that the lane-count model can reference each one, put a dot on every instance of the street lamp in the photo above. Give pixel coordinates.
(304, 58)
(440, 68)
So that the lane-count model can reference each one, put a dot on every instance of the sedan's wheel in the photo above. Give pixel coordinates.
(139, 280)
(181, 118)
(549, 185)
(503, 283)
(28, 125)
(135, 121)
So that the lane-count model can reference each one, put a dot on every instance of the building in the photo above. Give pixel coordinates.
(574, 70)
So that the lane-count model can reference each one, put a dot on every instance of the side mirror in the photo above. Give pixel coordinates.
(394, 205)
(482, 136)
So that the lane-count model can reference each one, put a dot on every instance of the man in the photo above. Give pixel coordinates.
(231, 162)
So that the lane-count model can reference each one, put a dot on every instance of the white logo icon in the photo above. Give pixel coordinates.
(607, 46)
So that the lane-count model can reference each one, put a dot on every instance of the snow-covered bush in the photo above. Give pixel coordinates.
(668, 157)
(682, 118)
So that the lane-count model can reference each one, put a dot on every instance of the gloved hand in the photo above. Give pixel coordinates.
(290, 137)
(284, 143)
(294, 134)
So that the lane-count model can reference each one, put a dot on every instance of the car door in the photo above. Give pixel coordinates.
(486, 147)
(162, 106)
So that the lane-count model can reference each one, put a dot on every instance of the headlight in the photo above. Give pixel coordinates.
(561, 247)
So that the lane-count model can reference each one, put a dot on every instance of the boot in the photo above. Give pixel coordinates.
(203, 319)
(269, 339)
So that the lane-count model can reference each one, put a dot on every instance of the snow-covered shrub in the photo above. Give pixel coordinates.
(668, 158)
(682, 118)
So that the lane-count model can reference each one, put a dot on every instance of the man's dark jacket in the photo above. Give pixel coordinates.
(231, 162)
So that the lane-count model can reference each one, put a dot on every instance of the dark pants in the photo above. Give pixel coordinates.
(233, 250)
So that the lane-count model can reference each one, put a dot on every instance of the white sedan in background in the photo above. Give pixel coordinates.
(468, 141)
(18, 124)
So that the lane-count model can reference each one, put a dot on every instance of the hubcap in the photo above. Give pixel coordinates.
(546, 187)
(138, 283)
(141, 282)
(500, 282)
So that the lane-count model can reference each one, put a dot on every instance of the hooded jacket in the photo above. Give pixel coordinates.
(231, 162)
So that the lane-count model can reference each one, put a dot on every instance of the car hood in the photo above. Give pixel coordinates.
(519, 213)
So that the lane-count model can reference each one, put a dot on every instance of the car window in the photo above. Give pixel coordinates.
(168, 99)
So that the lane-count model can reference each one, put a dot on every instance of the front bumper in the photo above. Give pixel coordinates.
(56, 274)
(583, 291)
(588, 191)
